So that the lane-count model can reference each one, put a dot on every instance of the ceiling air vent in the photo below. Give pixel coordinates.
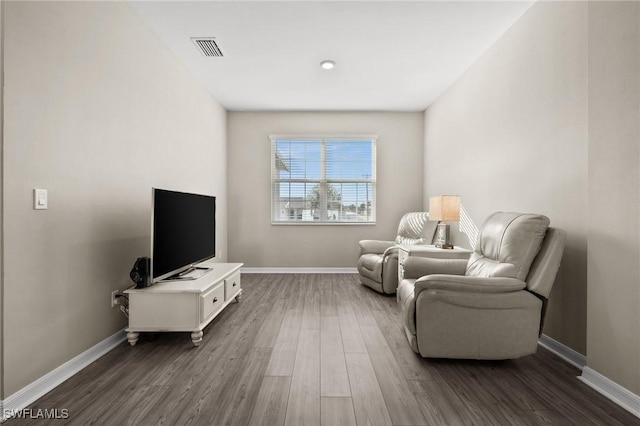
(208, 47)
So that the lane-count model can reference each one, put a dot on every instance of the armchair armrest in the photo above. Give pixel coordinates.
(415, 267)
(375, 246)
(467, 284)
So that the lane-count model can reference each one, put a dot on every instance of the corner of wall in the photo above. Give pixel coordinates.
(1, 206)
(613, 344)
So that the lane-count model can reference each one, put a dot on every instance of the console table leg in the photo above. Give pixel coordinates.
(239, 296)
(132, 337)
(196, 337)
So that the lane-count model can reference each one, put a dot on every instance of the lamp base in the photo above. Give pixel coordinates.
(442, 236)
(444, 246)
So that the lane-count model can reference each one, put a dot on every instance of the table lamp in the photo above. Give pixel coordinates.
(441, 208)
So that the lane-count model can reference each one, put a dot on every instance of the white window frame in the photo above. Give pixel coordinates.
(275, 213)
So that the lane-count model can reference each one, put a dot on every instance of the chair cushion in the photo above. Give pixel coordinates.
(507, 246)
(411, 229)
(407, 304)
(370, 266)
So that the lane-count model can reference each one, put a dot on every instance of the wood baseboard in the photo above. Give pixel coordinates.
(30, 393)
(601, 384)
(616, 393)
(287, 270)
(562, 351)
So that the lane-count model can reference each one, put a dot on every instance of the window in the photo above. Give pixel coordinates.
(323, 179)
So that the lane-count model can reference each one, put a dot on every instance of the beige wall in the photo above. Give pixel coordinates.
(257, 243)
(613, 321)
(97, 111)
(548, 120)
(1, 202)
(511, 135)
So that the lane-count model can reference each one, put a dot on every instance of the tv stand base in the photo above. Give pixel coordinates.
(196, 338)
(187, 306)
(132, 337)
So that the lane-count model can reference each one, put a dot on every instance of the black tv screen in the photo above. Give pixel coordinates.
(183, 231)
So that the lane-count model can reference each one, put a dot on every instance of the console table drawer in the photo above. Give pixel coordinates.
(211, 302)
(232, 286)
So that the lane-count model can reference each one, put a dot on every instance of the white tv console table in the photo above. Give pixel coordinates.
(183, 305)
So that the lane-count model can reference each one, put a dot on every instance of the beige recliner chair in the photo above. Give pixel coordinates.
(491, 306)
(378, 262)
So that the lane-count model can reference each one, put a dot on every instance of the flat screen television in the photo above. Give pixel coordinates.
(183, 233)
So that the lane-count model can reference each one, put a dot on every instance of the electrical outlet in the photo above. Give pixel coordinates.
(114, 298)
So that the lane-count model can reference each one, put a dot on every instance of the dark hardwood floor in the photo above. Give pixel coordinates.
(317, 349)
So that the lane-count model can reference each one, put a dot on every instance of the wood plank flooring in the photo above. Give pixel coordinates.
(306, 349)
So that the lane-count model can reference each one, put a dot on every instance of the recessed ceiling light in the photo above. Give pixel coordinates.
(327, 64)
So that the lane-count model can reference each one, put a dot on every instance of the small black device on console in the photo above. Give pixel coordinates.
(140, 272)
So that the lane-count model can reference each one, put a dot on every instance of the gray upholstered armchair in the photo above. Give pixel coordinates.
(378, 262)
(491, 306)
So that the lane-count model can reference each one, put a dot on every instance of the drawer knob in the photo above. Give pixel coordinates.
(215, 299)
(234, 284)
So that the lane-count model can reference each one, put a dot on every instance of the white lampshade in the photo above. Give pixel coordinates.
(444, 207)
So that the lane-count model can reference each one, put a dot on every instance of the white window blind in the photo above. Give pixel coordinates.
(323, 179)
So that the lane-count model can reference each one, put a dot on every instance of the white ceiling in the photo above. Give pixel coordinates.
(390, 55)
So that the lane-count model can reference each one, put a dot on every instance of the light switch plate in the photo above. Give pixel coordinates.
(40, 199)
